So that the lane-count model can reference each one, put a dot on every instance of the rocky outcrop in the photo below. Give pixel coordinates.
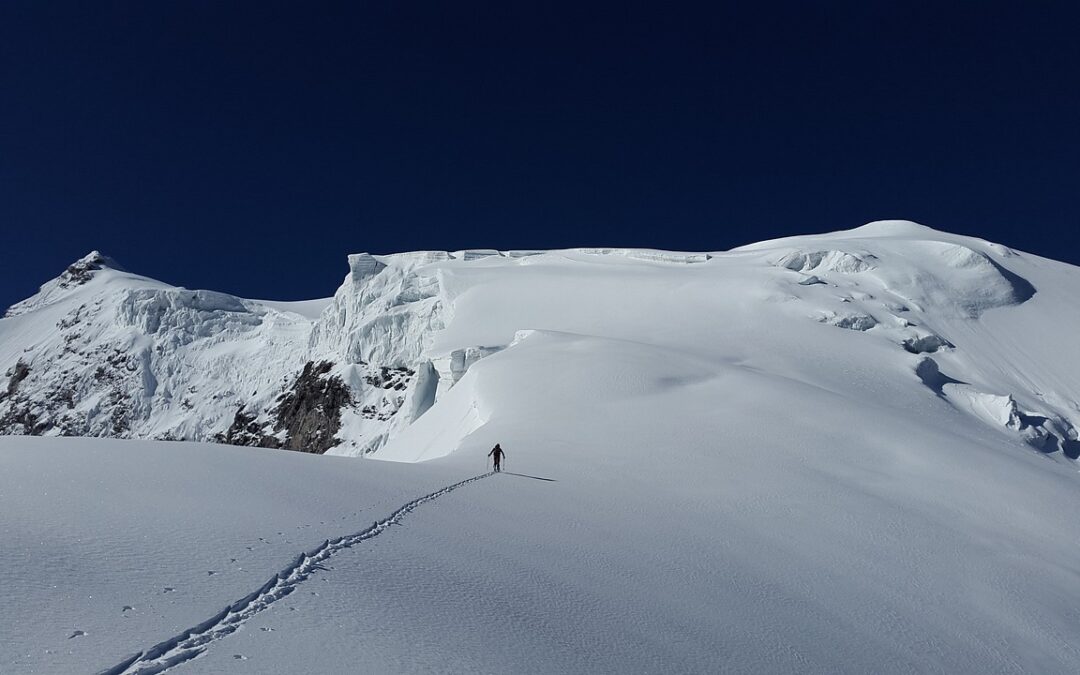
(77, 274)
(82, 270)
(309, 414)
(15, 375)
(247, 430)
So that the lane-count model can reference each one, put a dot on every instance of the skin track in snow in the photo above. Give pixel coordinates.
(194, 641)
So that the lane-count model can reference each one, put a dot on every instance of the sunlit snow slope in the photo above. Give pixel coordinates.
(850, 452)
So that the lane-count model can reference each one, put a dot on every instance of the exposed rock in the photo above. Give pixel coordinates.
(310, 412)
(246, 430)
(385, 377)
(82, 270)
(22, 420)
(16, 375)
(77, 274)
(307, 417)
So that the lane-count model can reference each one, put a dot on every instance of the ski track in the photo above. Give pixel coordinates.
(194, 641)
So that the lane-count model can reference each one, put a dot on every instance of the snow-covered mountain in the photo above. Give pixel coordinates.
(892, 311)
(842, 453)
(102, 352)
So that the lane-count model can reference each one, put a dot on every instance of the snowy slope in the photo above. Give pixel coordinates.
(850, 452)
(108, 353)
(101, 352)
(893, 313)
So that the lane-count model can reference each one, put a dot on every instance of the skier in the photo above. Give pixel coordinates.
(496, 455)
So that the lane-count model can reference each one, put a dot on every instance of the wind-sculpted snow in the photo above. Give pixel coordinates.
(124, 356)
(110, 353)
(184, 316)
(77, 273)
(946, 276)
(475, 254)
(859, 322)
(136, 358)
(934, 276)
(649, 255)
(1047, 431)
(363, 265)
(860, 460)
(194, 641)
(833, 261)
(385, 316)
(925, 343)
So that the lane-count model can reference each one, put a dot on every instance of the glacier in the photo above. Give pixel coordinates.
(845, 452)
(102, 352)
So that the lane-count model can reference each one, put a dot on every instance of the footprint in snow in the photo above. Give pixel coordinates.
(78, 633)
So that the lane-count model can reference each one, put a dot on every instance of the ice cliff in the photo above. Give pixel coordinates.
(99, 351)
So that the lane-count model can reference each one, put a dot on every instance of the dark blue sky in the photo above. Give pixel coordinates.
(249, 146)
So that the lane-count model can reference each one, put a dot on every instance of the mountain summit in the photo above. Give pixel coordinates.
(102, 352)
(847, 452)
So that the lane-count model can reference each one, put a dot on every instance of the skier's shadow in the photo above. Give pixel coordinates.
(521, 475)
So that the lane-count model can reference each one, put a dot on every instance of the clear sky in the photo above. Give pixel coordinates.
(249, 146)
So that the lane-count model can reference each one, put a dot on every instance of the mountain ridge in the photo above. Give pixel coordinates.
(99, 351)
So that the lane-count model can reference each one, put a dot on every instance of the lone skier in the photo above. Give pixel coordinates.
(496, 455)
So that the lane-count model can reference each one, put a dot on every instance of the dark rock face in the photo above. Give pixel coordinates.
(52, 410)
(397, 378)
(16, 375)
(308, 414)
(76, 274)
(21, 416)
(246, 430)
(82, 270)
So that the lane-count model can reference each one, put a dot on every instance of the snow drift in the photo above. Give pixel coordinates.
(849, 452)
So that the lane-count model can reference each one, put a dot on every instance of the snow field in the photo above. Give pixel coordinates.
(712, 466)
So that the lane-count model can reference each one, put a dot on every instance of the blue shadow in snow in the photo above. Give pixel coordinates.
(508, 473)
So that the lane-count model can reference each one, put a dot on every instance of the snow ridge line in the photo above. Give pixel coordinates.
(192, 642)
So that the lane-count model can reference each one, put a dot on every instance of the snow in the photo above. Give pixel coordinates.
(309, 309)
(711, 467)
(91, 526)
